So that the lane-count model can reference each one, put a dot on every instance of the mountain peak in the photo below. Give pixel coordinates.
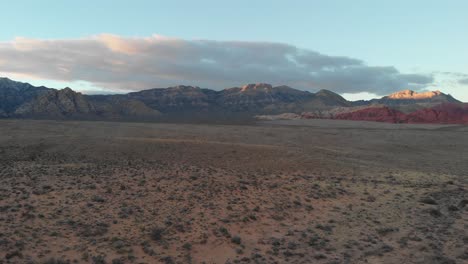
(256, 86)
(67, 89)
(410, 94)
(5, 79)
(9, 82)
(324, 92)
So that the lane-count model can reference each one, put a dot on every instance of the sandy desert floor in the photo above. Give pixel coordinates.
(304, 191)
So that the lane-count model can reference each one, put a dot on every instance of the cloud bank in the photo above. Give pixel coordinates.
(120, 63)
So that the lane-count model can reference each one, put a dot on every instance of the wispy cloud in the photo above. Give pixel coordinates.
(120, 63)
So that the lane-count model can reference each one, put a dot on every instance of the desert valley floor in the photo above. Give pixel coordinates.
(304, 191)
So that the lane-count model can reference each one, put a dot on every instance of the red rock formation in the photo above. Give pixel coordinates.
(379, 114)
(442, 114)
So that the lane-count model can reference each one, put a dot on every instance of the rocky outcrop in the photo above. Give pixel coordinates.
(261, 97)
(13, 94)
(448, 113)
(122, 108)
(409, 94)
(67, 103)
(329, 98)
(59, 104)
(444, 114)
(267, 99)
(175, 99)
(379, 114)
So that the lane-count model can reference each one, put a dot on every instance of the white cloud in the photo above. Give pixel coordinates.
(120, 63)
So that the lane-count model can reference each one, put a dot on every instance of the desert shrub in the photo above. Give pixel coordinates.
(168, 260)
(386, 230)
(236, 240)
(292, 245)
(428, 200)
(56, 261)
(224, 232)
(187, 246)
(326, 228)
(434, 212)
(98, 199)
(157, 233)
(13, 254)
(117, 261)
(98, 259)
(320, 256)
(98, 229)
(147, 248)
(463, 203)
(317, 242)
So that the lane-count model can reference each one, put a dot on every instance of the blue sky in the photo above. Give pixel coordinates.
(415, 37)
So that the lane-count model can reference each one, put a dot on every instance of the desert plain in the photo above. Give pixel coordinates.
(297, 191)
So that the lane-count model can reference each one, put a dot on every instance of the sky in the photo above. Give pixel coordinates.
(360, 48)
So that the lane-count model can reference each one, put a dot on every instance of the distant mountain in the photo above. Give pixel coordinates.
(117, 107)
(262, 93)
(250, 98)
(260, 97)
(66, 103)
(326, 99)
(22, 100)
(13, 94)
(58, 104)
(411, 98)
(174, 99)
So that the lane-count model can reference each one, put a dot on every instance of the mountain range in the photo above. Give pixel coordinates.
(22, 100)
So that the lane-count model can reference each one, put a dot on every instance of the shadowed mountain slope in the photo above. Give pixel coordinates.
(13, 94)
